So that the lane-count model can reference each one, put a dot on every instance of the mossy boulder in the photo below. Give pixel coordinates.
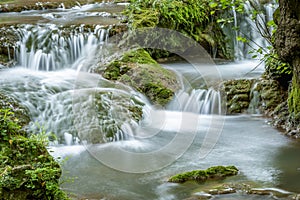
(239, 93)
(137, 69)
(27, 170)
(216, 172)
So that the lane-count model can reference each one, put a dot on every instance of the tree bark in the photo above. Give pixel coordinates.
(287, 44)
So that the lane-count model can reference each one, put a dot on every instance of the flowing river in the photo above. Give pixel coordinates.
(58, 92)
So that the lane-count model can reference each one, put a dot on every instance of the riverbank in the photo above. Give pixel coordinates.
(262, 96)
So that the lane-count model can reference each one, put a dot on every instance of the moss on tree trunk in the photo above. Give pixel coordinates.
(294, 95)
(287, 44)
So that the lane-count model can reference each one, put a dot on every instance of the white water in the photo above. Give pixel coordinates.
(50, 48)
(50, 81)
(250, 30)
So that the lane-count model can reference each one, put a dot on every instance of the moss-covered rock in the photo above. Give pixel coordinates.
(27, 170)
(137, 69)
(216, 172)
(237, 94)
(20, 114)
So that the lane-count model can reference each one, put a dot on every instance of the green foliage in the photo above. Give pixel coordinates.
(176, 15)
(293, 100)
(275, 68)
(221, 6)
(25, 164)
(215, 172)
(8, 125)
(193, 18)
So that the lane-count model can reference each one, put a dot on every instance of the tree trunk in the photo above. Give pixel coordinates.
(287, 44)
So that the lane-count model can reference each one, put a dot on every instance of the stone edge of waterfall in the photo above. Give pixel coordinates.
(50, 4)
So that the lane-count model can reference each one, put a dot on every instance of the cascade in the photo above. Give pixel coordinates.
(251, 30)
(49, 48)
(61, 97)
(200, 101)
(49, 80)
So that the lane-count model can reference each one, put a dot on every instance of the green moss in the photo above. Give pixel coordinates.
(19, 115)
(112, 72)
(125, 62)
(158, 93)
(294, 98)
(215, 172)
(137, 69)
(157, 83)
(221, 171)
(26, 168)
(138, 56)
(193, 18)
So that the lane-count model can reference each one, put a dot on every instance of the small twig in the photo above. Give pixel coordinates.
(254, 67)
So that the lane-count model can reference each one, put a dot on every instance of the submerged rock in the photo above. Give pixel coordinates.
(270, 191)
(216, 172)
(200, 196)
(251, 189)
(117, 114)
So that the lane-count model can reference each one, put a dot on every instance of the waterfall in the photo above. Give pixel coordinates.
(254, 32)
(81, 107)
(49, 47)
(200, 101)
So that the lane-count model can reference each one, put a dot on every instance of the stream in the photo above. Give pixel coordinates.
(54, 85)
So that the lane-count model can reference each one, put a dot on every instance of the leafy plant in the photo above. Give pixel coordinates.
(8, 125)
